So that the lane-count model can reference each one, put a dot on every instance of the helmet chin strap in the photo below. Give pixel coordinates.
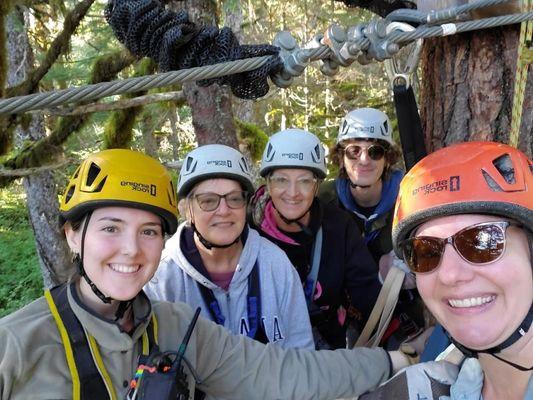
(209, 245)
(519, 332)
(296, 220)
(353, 185)
(123, 305)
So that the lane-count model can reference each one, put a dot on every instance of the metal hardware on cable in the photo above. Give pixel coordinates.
(370, 42)
(295, 59)
(398, 74)
(409, 122)
(522, 69)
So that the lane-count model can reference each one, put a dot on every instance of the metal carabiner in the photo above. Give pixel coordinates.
(401, 74)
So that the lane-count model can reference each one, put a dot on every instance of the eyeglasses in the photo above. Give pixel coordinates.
(304, 185)
(353, 151)
(477, 244)
(210, 201)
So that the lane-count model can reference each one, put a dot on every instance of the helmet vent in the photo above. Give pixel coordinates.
(100, 186)
(505, 167)
(317, 152)
(69, 194)
(76, 173)
(491, 182)
(385, 128)
(94, 170)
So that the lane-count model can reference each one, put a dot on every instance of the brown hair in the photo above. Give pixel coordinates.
(392, 157)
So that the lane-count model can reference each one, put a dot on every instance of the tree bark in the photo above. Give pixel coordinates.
(211, 108)
(41, 190)
(467, 89)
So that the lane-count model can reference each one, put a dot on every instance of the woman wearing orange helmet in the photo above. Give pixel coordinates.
(475, 197)
(100, 337)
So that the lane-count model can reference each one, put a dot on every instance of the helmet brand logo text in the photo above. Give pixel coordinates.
(453, 184)
(140, 187)
(293, 156)
(220, 163)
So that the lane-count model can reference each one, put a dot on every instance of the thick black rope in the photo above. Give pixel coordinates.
(147, 29)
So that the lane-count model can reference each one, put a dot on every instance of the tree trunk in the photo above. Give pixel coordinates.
(41, 191)
(467, 89)
(211, 107)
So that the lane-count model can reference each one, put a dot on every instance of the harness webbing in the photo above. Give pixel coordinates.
(409, 125)
(90, 379)
(253, 299)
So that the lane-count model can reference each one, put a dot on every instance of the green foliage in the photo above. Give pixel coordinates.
(20, 275)
(254, 137)
(118, 129)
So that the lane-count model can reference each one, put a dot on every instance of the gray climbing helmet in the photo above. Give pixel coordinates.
(294, 148)
(213, 161)
(365, 123)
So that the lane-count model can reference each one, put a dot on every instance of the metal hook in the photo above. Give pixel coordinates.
(401, 74)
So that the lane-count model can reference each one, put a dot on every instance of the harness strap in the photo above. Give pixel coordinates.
(312, 277)
(253, 303)
(90, 379)
(90, 384)
(409, 125)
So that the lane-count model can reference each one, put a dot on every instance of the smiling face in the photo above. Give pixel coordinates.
(122, 250)
(480, 306)
(362, 171)
(292, 191)
(224, 224)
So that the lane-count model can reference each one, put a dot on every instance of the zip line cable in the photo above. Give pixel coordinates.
(362, 44)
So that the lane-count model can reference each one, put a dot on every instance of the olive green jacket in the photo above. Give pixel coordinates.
(33, 363)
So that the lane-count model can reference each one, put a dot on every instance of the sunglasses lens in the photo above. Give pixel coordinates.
(353, 152)
(481, 244)
(422, 254)
(376, 152)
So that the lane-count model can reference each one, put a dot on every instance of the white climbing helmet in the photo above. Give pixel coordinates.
(365, 123)
(294, 148)
(213, 161)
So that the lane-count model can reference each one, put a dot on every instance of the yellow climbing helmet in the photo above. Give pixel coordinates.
(120, 177)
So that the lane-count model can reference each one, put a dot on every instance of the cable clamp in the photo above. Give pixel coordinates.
(295, 59)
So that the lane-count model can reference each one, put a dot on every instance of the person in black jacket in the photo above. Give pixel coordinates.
(323, 242)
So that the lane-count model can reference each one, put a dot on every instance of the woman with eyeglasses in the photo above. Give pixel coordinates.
(464, 225)
(215, 261)
(322, 241)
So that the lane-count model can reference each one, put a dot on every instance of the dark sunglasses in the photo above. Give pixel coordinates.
(353, 151)
(210, 201)
(477, 244)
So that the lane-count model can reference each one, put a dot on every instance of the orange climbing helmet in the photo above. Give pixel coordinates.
(466, 178)
(123, 178)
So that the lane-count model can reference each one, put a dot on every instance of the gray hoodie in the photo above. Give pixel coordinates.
(283, 307)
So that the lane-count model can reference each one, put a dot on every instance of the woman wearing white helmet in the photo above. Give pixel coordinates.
(322, 241)
(217, 262)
